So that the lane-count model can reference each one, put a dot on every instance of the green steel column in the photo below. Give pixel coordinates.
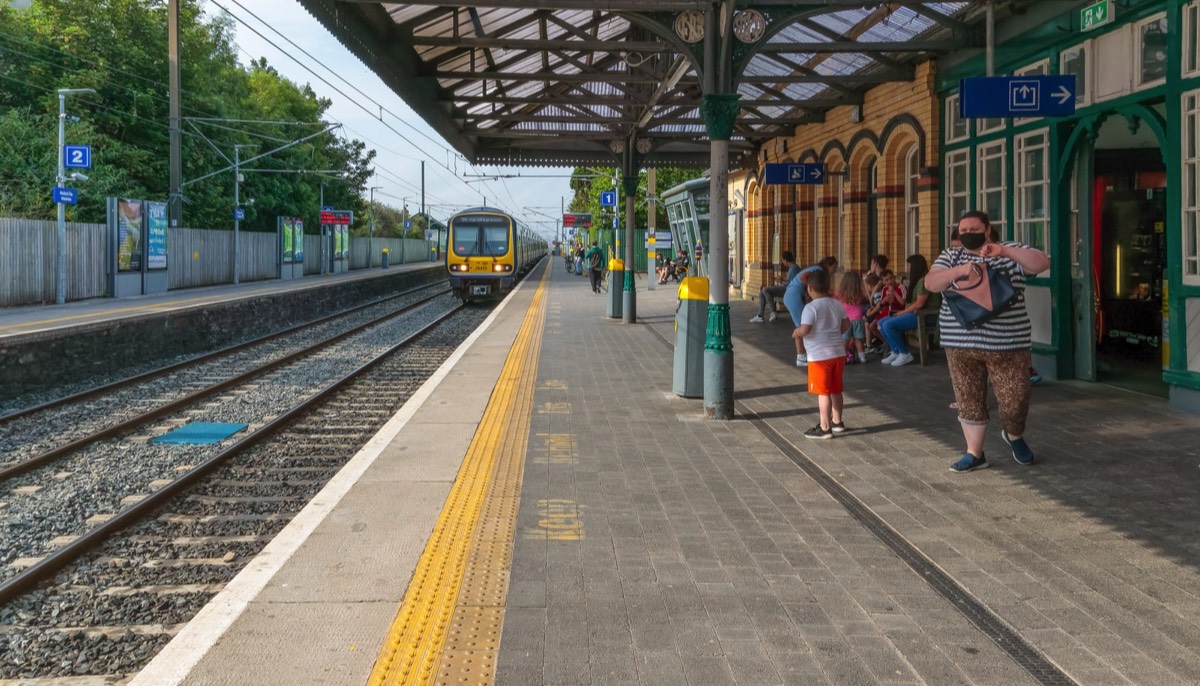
(719, 110)
(629, 184)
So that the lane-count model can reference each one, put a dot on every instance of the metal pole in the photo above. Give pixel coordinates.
(371, 234)
(60, 260)
(237, 178)
(175, 174)
(991, 38)
(651, 225)
(322, 252)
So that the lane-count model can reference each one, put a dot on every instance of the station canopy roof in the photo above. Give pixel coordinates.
(576, 82)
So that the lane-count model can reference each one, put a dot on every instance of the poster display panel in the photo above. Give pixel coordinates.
(285, 239)
(129, 235)
(297, 240)
(156, 235)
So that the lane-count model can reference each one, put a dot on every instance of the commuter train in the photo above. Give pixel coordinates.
(488, 251)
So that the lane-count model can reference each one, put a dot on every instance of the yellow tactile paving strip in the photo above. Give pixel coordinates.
(448, 626)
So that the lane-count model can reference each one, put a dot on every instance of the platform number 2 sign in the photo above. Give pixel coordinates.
(77, 156)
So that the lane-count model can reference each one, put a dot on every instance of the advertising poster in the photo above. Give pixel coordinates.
(156, 235)
(298, 240)
(343, 242)
(129, 235)
(286, 238)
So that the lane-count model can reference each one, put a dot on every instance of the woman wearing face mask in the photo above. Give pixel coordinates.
(998, 350)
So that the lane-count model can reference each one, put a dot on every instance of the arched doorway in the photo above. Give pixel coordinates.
(871, 183)
(1118, 252)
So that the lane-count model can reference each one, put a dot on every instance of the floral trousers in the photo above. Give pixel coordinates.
(1008, 371)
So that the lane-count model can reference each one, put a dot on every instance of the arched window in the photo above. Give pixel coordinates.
(912, 206)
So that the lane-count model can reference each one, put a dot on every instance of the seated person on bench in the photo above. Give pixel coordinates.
(903, 320)
(768, 294)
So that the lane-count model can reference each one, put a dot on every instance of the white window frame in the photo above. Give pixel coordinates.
(1039, 68)
(1138, 53)
(816, 223)
(1191, 29)
(952, 118)
(841, 218)
(1190, 201)
(957, 162)
(912, 201)
(984, 153)
(1083, 86)
(1034, 142)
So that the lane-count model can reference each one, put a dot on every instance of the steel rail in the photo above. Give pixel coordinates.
(50, 564)
(161, 371)
(55, 453)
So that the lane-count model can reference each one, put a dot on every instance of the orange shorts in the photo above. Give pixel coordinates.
(825, 377)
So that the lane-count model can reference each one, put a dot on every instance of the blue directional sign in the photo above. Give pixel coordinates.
(608, 198)
(67, 196)
(807, 173)
(326, 208)
(1017, 96)
(239, 213)
(77, 156)
(408, 223)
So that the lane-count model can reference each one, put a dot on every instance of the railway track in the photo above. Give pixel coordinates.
(97, 581)
(37, 435)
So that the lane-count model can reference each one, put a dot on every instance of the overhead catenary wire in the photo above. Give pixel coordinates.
(338, 90)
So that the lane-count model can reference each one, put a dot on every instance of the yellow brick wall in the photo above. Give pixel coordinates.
(884, 109)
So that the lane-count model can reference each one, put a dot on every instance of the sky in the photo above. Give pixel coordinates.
(402, 140)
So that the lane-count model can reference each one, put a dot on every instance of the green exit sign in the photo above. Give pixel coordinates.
(1096, 15)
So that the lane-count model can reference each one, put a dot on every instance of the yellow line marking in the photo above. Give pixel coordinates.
(490, 474)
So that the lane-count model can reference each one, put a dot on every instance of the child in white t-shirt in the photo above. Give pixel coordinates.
(821, 326)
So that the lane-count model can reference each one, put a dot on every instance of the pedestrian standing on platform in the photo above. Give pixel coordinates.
(595, 260)
(796, 295)
(767, 294)
(998, 350)
(822, 325)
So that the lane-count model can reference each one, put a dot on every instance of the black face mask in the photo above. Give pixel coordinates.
(972, 241)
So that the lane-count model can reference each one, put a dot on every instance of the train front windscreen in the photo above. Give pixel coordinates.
(481, 236)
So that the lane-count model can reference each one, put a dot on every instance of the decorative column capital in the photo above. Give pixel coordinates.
(720, 111)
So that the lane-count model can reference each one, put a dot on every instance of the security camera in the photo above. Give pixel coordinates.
(251, 201)
(79, 176)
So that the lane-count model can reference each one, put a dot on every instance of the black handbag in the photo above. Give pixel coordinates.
(975, 304)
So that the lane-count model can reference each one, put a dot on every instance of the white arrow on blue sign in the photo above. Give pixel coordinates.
(77, 156)
(1017, 96)
(67, 196)
(608, 198)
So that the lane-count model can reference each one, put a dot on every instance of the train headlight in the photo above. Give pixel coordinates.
(498, 267)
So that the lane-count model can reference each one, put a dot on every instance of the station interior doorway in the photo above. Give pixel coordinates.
(1129, 257)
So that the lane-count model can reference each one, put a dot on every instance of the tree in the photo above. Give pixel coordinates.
(69, 44)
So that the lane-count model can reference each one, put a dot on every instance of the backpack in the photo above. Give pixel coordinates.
(594, 260)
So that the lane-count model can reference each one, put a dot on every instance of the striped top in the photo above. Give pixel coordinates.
(1008, 331)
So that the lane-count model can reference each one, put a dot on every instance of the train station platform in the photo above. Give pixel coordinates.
(85, 343)
(546, 511)
(49, 321)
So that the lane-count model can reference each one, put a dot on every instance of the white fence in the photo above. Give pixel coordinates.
(195, 257)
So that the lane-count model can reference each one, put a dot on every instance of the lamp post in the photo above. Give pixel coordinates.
(237, 204)
(60, 260)
(371, 233)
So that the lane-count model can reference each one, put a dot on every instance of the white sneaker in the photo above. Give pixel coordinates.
(771, 316)
(756, 319)
(862, 358)
(902, 360)
(802, 360)
(889, 359)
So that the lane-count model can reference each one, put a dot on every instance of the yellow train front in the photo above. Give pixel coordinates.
(488, 251)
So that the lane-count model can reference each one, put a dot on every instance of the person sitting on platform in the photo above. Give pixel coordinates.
(767, 294)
